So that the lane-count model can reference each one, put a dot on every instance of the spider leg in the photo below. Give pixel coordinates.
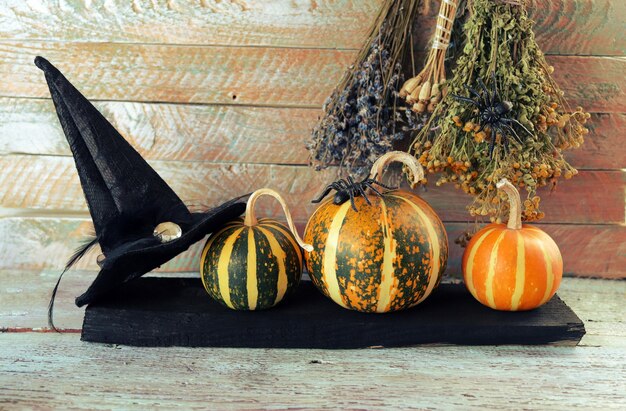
(474, 92)
(352, 200)
(486, 96)
(482, 99)
(504, 139)
(350, 181)
(514, 121)
(366, 179)
(373, 180)
(494, 95)
(358, 190)
(325, 193)
(492, 143)
(513, 133)
(371, 187)
(336, 186)
(506, 145)
(342, 184)
(383, 185)
(370, 181)
(468, 100)
(359, 187)
(481, 83)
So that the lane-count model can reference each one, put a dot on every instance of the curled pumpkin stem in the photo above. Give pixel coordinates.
(515, 204)
(412, 166)
(251, 220)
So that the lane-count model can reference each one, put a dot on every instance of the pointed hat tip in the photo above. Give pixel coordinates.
(43, 64)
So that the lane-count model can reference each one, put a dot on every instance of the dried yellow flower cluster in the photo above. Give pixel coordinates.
(500, 53)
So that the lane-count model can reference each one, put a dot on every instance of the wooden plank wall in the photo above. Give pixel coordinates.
(220, 95)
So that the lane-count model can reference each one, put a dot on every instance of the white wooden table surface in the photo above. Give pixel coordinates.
(49, 370)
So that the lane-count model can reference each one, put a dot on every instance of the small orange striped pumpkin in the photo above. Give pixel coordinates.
(512, 267)
(386, 256)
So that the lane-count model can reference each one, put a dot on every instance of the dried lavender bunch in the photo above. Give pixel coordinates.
(360, 125)
(363, 117)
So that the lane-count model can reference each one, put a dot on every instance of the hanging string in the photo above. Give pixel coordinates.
(444, 25)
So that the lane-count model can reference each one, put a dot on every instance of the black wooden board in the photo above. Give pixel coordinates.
(178, 312)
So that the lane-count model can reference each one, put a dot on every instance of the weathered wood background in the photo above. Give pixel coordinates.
(220, 95)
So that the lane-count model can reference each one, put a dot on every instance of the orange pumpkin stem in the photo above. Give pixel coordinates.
(515, 204)
(415, 169)
(251, 220)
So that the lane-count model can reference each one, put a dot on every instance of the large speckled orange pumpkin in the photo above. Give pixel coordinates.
(386, 256)
(512, 267)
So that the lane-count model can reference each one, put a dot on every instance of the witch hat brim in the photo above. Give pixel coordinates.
(134, 260)
(126, 198)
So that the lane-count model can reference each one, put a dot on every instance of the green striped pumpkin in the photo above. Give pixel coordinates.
(252, 264)
(251, 268)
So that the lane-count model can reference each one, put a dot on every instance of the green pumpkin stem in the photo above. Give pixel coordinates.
(251, 220)
(515, 204)
(412, 167)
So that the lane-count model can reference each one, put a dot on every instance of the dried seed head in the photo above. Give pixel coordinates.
(414, 96)
(409, 86)
(434, 92)
(425, 92)
(419, 107)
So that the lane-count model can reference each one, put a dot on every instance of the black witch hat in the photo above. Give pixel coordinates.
(140, 223)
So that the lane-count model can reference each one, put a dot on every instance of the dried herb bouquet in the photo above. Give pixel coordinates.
(503, 115)
(361, 119)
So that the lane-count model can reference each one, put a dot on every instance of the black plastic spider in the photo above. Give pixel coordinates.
(492, 113)
(347, 190)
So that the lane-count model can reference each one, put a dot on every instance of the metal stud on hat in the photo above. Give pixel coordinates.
(167, 232)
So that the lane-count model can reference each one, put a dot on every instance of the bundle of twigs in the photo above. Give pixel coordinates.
(424, 91)
(361, 119)
(500, 53)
